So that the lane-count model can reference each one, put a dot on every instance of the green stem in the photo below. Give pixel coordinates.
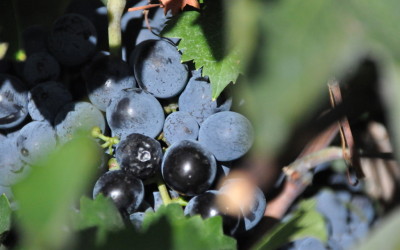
(180, 201)
(162, 188)
(115, 9)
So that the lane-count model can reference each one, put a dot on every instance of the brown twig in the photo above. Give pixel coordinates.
(351, 157)
(145, 7)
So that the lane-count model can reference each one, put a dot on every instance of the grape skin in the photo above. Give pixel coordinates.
(188, 168)
(73, 39)
(205, 205)
(180, 126)
(35, 141)
(124, 189)
(158, 68)
(135, 111)
(12, 169)
(196, 99)
(46, 99)
(140, 155)
(76, 116)
(257, 209)
(41, 67)
(105, 77)
(228, 135)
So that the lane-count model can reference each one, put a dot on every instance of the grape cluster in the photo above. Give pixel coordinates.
(155, 114)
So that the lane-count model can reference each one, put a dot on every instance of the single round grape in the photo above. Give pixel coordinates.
(73, 39)
(96, 12)
(135, 111)
(40, 67)
(13, 101)
(77, 116)
(228, 135)
(106, 76)
(256, 210)
(158, 68)
(35, 140)
(180, 126)
(124, 189)
(46, 99)
(206, 206)
(140, 155)
(197, 100)
(188, 168)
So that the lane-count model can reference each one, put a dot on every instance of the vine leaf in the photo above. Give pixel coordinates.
(306, 221)
(188, 231)
(177, 5)
(203, 42)
(100, 213)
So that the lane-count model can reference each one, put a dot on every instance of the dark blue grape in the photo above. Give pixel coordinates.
(206, 206)
(139, 155)
(35, 140)
(105, 77)
(135, 111)
(158, 68)
(73, 39)
(188, 168)
(13, 101)
(96, 12)
(76, 116)
(41, 67)
(124, 189)
(196, 99)
(46, 99)
(180, 126)
(256, 210)
(228, 135)
(34, 39)
(12, 169)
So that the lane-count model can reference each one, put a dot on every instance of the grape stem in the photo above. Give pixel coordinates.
(109, 142)
(162, 188)
(115, 9)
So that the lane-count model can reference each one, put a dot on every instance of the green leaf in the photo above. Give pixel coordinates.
(47, 195)
(100, 213)
(304, 222)
(384, 235)
(184, 231)
(168, 228)
(5, 215)
(203, 41)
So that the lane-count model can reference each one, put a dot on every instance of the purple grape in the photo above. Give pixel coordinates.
(188, 168)
(124, 189)
(228, 135)
(139, 155)
(135, 111)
